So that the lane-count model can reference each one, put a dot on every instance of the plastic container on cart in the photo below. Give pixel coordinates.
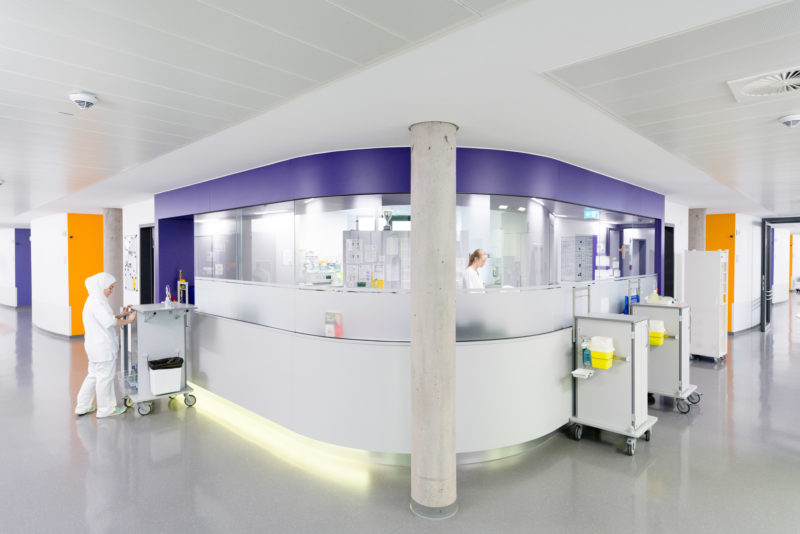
(165, 375)
(634, 300)
(602, 349)
(657, 332)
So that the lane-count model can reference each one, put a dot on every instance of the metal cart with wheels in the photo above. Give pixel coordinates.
(613, 399)
(157, 332)
(668, 364)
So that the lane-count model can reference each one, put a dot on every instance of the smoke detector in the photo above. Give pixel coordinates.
(83, 99)
(782, 82)
(791, 121)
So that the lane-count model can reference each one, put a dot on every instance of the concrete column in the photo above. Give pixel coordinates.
(697, 229)
(433, 319)
(112, 253)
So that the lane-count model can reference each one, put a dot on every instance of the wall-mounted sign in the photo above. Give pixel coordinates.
(590, 213)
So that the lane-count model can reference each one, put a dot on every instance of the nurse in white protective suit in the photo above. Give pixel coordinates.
(102, 347)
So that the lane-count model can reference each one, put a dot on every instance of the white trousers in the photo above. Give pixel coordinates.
(100, 380)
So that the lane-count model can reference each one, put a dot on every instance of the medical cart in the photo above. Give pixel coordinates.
(158, 332)
(668, 362)
(613, 398)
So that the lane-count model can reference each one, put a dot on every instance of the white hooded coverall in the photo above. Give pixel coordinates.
(102, 347)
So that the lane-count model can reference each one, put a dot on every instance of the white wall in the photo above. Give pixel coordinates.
(780, 286)
(134, 216)
(8, 271)
(746, 305)
(678, 216)
(49, 275)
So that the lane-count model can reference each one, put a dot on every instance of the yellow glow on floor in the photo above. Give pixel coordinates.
(337, 464)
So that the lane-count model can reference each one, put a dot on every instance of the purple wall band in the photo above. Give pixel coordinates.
(22, 265)
(386, 170)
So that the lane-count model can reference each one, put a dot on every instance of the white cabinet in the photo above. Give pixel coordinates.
(706, 291)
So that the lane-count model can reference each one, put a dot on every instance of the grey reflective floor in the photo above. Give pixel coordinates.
(731, 465)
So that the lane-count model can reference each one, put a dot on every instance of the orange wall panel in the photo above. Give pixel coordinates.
(85, 258)
(721, 235)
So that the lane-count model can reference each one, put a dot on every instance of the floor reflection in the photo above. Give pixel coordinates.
(179, 471)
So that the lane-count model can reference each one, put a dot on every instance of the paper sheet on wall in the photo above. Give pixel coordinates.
(353, 251)
(392, 246)
(379, 272)
(370, 253)
(364, 273)
(130, 265)
(352, 275)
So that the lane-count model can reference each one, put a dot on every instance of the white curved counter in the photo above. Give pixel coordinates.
(514, 357)
(357, 393)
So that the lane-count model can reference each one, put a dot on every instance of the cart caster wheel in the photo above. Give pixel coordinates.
(647, 436)
(682, 406)
(577, 432)
(651, 399)
(189, 399)
(128, 402)
(145, 408)
(694, 398)
(630, 446)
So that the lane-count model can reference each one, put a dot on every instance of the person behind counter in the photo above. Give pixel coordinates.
(472, 280)
(102, 345)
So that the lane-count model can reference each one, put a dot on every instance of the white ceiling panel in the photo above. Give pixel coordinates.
(222, 31)
(319, 24)
(670, 97)
(220, 94)
(125, 37)
(410, 19)
(481, 5)
(168, 74)
(35, 110)
(688, 47)
(674, 91)
(763, 57)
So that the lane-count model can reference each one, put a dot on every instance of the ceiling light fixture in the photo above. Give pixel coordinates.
(502, 207)
(790, 120)
(520, 208)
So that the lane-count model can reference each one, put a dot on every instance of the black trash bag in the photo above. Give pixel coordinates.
(165, 363)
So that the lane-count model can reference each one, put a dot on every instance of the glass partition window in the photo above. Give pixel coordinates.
(216, 244)
(538, 242)
(517, 233)
(364, 241)
(351, 241)
(268, 243)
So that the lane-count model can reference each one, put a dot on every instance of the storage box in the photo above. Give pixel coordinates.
(656, 332)
(165, 381)
(602, 360)
(602, 350)
(165, 375)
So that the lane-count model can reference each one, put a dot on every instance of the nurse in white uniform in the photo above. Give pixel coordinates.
(102, 346)
(472, 280)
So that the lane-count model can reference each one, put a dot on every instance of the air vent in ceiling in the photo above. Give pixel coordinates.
(779, 83)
